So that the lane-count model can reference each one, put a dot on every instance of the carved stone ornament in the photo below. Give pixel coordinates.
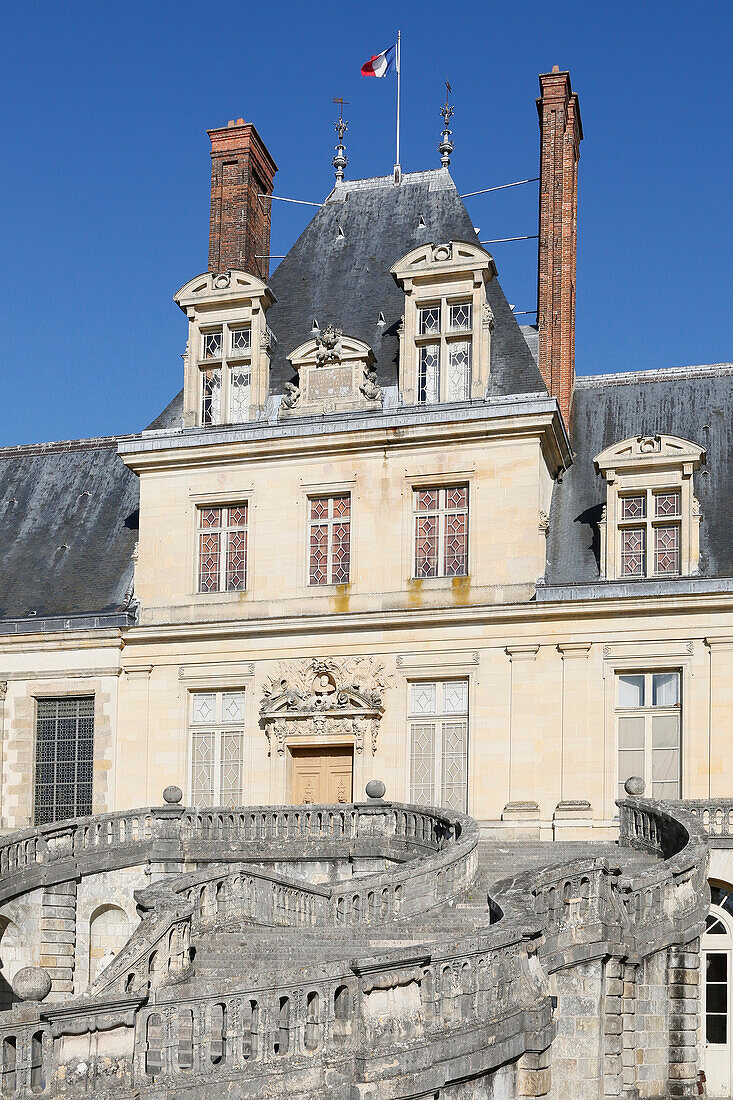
(544, 521)
(335, 374)
(324, 698)
(488, 317)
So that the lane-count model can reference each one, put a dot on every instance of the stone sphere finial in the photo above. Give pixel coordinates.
(375, 788)
(32, 983)
(172, 795)
(635, 786)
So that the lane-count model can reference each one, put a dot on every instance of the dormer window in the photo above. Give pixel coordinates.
(445, 339)
(651, 523)
(227, 362)
(444, 352)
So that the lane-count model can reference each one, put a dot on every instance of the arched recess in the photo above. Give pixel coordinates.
(11, 959)
(109, 931)
(717, 992)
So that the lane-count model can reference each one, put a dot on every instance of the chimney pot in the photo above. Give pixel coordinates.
(556, 68)
(242, 170)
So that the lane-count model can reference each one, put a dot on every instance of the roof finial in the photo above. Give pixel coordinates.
(446, 146)
(340, 160)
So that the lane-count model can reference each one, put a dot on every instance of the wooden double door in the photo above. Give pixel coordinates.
(322, 775)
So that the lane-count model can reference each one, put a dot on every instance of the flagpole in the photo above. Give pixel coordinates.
(397, 170)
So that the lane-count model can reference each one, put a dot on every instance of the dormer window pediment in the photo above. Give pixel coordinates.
(227, 359)
(445, 339)
(335, 374)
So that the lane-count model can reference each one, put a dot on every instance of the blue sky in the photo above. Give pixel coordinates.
(105, 177)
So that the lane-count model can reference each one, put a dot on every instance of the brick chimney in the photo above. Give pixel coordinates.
(242, 171)
(561, 132)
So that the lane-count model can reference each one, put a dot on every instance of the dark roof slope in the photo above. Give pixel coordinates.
(338, 272)
(695, 403)
(68, 527)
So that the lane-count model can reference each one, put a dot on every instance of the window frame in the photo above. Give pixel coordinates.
(439, 718)
(650, 523)
(57, 698)
(217, 728)
(444, 338)
(330, 522)
(441, 487)
(224, 531)
(231, 361)
(648, 711)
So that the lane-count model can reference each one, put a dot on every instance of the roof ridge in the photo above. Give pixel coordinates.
(66, 445)
(657, 374)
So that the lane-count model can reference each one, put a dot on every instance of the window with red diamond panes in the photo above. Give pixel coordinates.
(222, 548)
(329, 539)
(650, 533)
(441, 531)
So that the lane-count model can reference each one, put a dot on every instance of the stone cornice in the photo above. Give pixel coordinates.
(533, 415)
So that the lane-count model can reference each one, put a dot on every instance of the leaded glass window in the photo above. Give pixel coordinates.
(444, 345)
(441, 531)
(329, 539)
(217, 747)
(222, 548)
(239, 397)
(64, 758)
(226, 387)
(211, 345)
(241, 340)
(211, 396)
(438, 732)
(650, 532)
(648, 718)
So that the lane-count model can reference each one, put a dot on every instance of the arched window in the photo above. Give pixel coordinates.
(218, 1045)
(153, 1045)
(38, 1075)
(185, 1039)
(250, 1032)
(282, 1037)
(312, 1022)
(109, 931)
(10, 1060)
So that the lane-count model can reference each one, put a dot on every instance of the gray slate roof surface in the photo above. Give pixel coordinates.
(693, 403)
(345, 280)
(68, 527)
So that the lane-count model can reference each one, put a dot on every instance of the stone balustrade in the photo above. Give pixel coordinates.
(488, 990)
(714, 814)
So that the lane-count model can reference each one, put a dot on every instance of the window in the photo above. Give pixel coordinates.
(217, 746)
(441, 531)
(226, 389)
(439, 741)
(64, 758)
(650, 525)
(222, 548)
(648, 729)
(444, 343)
(649, 530)
(329, 539)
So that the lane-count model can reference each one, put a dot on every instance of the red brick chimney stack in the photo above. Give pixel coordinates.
(561, 132)
(242, 170)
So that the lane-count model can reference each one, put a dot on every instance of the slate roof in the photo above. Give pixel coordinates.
(337, 272)
(695, 403)
(68, 527)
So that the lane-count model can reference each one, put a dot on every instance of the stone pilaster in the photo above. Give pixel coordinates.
(58, 937)
(628, 1034)
(683, 984)
(613, 988)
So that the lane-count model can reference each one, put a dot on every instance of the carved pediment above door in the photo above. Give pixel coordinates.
(331, 700)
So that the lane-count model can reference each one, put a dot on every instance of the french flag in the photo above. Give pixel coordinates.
(381, 64)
